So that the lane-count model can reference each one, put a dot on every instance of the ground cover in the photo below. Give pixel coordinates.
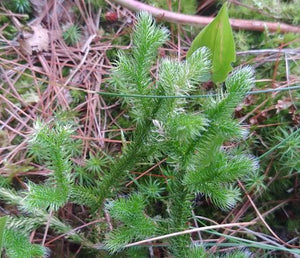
(74, 150)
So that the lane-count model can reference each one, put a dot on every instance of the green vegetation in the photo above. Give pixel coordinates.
(18, 6)
(218, 38)
(103, 147)
(186, 6)
(71, 34)
(192, 142)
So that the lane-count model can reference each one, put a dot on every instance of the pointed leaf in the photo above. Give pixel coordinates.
(2, 226)
(218, 37)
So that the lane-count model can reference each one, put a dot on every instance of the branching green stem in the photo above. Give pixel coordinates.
(128, 160)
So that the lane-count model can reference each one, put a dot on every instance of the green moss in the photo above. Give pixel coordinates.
(186, 6)
(18, 6)
(72, 34)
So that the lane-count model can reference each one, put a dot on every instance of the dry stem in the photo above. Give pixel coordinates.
(238, 24)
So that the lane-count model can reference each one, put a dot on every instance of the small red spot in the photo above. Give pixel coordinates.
(111, 16)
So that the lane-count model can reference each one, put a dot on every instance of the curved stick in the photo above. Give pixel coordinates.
(237, 24)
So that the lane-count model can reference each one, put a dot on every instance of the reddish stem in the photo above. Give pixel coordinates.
(174, 17)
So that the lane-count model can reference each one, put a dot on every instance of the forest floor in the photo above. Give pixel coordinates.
(57, 76)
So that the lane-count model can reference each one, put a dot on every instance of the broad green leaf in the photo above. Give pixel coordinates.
(218, 37)
(2, 226)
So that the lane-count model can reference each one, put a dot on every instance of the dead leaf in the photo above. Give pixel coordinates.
(283, 104)
(253, 120)
(33, 39)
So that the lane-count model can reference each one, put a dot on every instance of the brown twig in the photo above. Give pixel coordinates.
(238, 24)
(72, 231)
(144, 173)
(47, 228)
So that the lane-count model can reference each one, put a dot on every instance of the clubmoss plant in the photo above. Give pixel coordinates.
(18, 228)
(18, 245)
(56, 191)
(193, 142)
(40, 200)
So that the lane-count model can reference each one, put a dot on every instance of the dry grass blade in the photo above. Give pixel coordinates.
(189, 231)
